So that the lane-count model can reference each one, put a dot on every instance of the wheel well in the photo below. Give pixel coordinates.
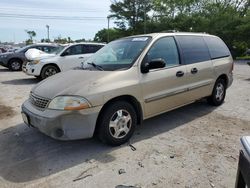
(224, 77)
(14, 59)
(128, 98)
(52, 64)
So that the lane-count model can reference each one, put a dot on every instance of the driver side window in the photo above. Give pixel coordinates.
(166, 49)
(74, 50)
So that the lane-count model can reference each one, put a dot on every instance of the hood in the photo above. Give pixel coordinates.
(35, 54)
(6, 53)
(72, 82)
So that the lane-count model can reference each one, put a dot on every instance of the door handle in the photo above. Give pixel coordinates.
(80, 57)
(179, 73)
(194, 70)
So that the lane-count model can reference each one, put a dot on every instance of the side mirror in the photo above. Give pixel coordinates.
(153, 64)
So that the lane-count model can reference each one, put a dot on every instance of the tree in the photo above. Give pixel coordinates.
(131, 13)
(228, 19)
(102, 35)
(61, 40)
(31, 34)
(80, 40)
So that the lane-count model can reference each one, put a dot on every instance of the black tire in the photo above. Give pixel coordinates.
(49, 70)
(219, 86)
(15, 64)
(38, 77)
(106, 133)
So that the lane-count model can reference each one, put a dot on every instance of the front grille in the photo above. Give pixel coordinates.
(38, 102)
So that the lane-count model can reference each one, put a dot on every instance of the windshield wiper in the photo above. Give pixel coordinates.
(96, 66)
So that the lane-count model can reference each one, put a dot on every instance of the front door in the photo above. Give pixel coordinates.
(72, 57)
(165, 88)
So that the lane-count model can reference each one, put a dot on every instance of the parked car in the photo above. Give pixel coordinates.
(243, 174)
(131, 79)
(2, 50)
(65, 59)
(14, 60)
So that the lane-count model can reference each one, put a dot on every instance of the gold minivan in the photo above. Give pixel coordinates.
(127, 81)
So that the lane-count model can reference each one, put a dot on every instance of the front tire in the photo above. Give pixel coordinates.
(117, 123)
(48, 71)
(219, 93)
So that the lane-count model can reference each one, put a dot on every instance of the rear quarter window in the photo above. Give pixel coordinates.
(193, 49)
(217, 48)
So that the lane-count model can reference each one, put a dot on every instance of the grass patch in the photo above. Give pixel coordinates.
(247, 57)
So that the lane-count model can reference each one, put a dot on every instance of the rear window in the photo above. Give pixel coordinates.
(193, 49)
(217, 47)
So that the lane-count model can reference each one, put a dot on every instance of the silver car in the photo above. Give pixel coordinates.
(127, 81)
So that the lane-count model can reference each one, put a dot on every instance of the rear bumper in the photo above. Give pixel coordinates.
(62, 125)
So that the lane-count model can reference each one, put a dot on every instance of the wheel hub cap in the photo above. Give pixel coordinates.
(219, 92)
(120, 124)
(15, 65)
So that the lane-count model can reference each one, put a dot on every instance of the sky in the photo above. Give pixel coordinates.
(66, 18)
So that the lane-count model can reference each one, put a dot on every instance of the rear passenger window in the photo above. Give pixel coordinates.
(217, 47)
(165, 48)
(193, 48)
(92, 48)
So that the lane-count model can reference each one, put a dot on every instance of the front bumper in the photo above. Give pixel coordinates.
(32, 70)
(62, 125)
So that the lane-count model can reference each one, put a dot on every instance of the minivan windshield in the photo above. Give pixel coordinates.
(119, 54)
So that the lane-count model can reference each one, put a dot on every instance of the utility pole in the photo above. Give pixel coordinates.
(47, 26)
(108, 28)
(144, 18)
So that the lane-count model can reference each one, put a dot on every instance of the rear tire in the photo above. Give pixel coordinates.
(15, 65)
(117, 123)
(219, 93)
(48, 71)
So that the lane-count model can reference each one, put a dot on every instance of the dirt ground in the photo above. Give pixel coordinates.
(194, 146)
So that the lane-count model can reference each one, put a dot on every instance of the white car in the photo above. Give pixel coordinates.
(65, 58)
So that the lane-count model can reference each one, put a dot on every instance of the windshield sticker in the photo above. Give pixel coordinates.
(140, 39)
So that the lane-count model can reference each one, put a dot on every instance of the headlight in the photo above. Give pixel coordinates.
(68, 103)
(34, 62)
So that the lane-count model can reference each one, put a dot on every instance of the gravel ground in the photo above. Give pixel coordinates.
(194, 146)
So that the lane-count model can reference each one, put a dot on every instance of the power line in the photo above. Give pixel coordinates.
(42, 17)
(48, 10)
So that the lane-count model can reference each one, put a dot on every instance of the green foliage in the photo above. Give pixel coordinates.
(247, 57)
(130, 13)
(31, 34)
(102, 35)
(80, 40)
(227, 19)
(61, 40)
(45, 40)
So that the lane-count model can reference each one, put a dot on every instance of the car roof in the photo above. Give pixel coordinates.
(88, 43)
(170, 33)
(44, 44)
